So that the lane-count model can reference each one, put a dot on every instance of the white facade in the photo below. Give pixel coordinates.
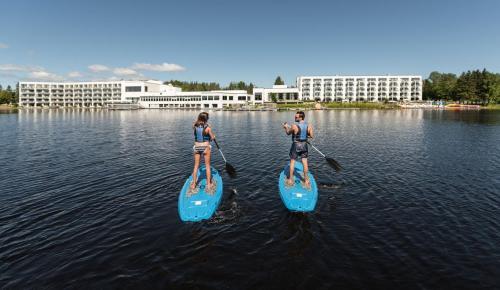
(360, 88)
(154, 94)
(76, 94)
(203, 99)
(281, 93)
(147, 94)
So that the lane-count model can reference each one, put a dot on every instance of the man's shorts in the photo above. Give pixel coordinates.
(299, 150)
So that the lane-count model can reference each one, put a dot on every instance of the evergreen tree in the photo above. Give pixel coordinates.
(279, 81)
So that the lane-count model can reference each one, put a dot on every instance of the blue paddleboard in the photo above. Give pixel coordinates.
(296, 197)
(201, 205)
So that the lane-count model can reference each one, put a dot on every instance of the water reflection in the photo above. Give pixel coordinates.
(490, 117)
(95, 192)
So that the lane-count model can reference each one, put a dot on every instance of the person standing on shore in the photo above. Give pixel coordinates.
(203, 134)
(300, 132)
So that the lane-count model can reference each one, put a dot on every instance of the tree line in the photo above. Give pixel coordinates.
(210, 86)
(8, 95)
(478, 87)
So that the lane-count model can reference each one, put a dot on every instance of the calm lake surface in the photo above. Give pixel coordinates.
(88, 199)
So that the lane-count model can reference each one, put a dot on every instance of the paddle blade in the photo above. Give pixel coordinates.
(230, 170)
(333, 163)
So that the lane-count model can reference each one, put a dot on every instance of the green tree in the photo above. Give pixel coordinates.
(279, 81)
(440, 86)
(465, 87)
(428, 91)
(194, 86)
(273, 97)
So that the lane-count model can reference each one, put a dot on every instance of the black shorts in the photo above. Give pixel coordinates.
(299, 149)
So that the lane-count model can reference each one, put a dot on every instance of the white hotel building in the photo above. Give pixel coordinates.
(360, 88)
(155, 94)
(146, 94)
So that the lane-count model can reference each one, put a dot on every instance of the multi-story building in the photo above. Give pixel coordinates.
(155, 94)
(146, 94)
(360, 88)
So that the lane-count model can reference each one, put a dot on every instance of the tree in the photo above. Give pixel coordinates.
(428, 92)
(273, 97)
(440, 86)
(194, 86)
(279, 81)
(250, 88)
(16, 94)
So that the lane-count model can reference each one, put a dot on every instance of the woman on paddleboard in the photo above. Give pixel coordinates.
(203, 134)
(300, 132)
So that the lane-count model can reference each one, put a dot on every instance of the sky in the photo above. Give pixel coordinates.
(253, 41)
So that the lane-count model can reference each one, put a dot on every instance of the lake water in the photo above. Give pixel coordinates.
(88, 199)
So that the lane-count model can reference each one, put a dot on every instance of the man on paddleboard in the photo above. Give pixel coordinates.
(202, 136)
(300, 132)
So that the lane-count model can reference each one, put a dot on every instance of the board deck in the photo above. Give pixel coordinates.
(201, 205)
(297, 197)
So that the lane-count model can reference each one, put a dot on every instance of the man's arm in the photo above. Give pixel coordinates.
(288, 129)
(310, 131)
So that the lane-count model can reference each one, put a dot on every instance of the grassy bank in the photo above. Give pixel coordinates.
(306, 105)
(7, 107)
(492, 107)
(339, 105)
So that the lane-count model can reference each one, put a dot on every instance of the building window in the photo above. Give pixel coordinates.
(133, 89)
(258, 96)
(224, 98)
(230, 98)
(216, 98)
(242, 98)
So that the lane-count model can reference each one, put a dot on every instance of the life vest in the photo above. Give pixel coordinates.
(301, 136)
(199, 133)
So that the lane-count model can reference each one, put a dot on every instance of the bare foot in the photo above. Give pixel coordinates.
(193, 189)
(289, 182)
(210, 188)
(306, 184)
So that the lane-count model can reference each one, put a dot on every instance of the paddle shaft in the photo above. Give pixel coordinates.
(222, 154)
(317, 149)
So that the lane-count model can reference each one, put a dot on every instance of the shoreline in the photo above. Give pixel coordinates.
(277, 107)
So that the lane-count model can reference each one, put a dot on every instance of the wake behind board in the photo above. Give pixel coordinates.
(201, 205)
(297, 197)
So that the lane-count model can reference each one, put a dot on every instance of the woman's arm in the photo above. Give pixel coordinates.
(210, 133)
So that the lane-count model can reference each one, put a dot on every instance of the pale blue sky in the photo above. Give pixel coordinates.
(255, 41)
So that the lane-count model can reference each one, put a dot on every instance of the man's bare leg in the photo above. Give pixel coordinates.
(307, 183)
(290, 180)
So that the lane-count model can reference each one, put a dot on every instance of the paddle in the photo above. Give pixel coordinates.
(332, 162)
(229, 168)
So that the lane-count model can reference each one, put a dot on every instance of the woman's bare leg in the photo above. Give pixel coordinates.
(195, 169)
(207, 166)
